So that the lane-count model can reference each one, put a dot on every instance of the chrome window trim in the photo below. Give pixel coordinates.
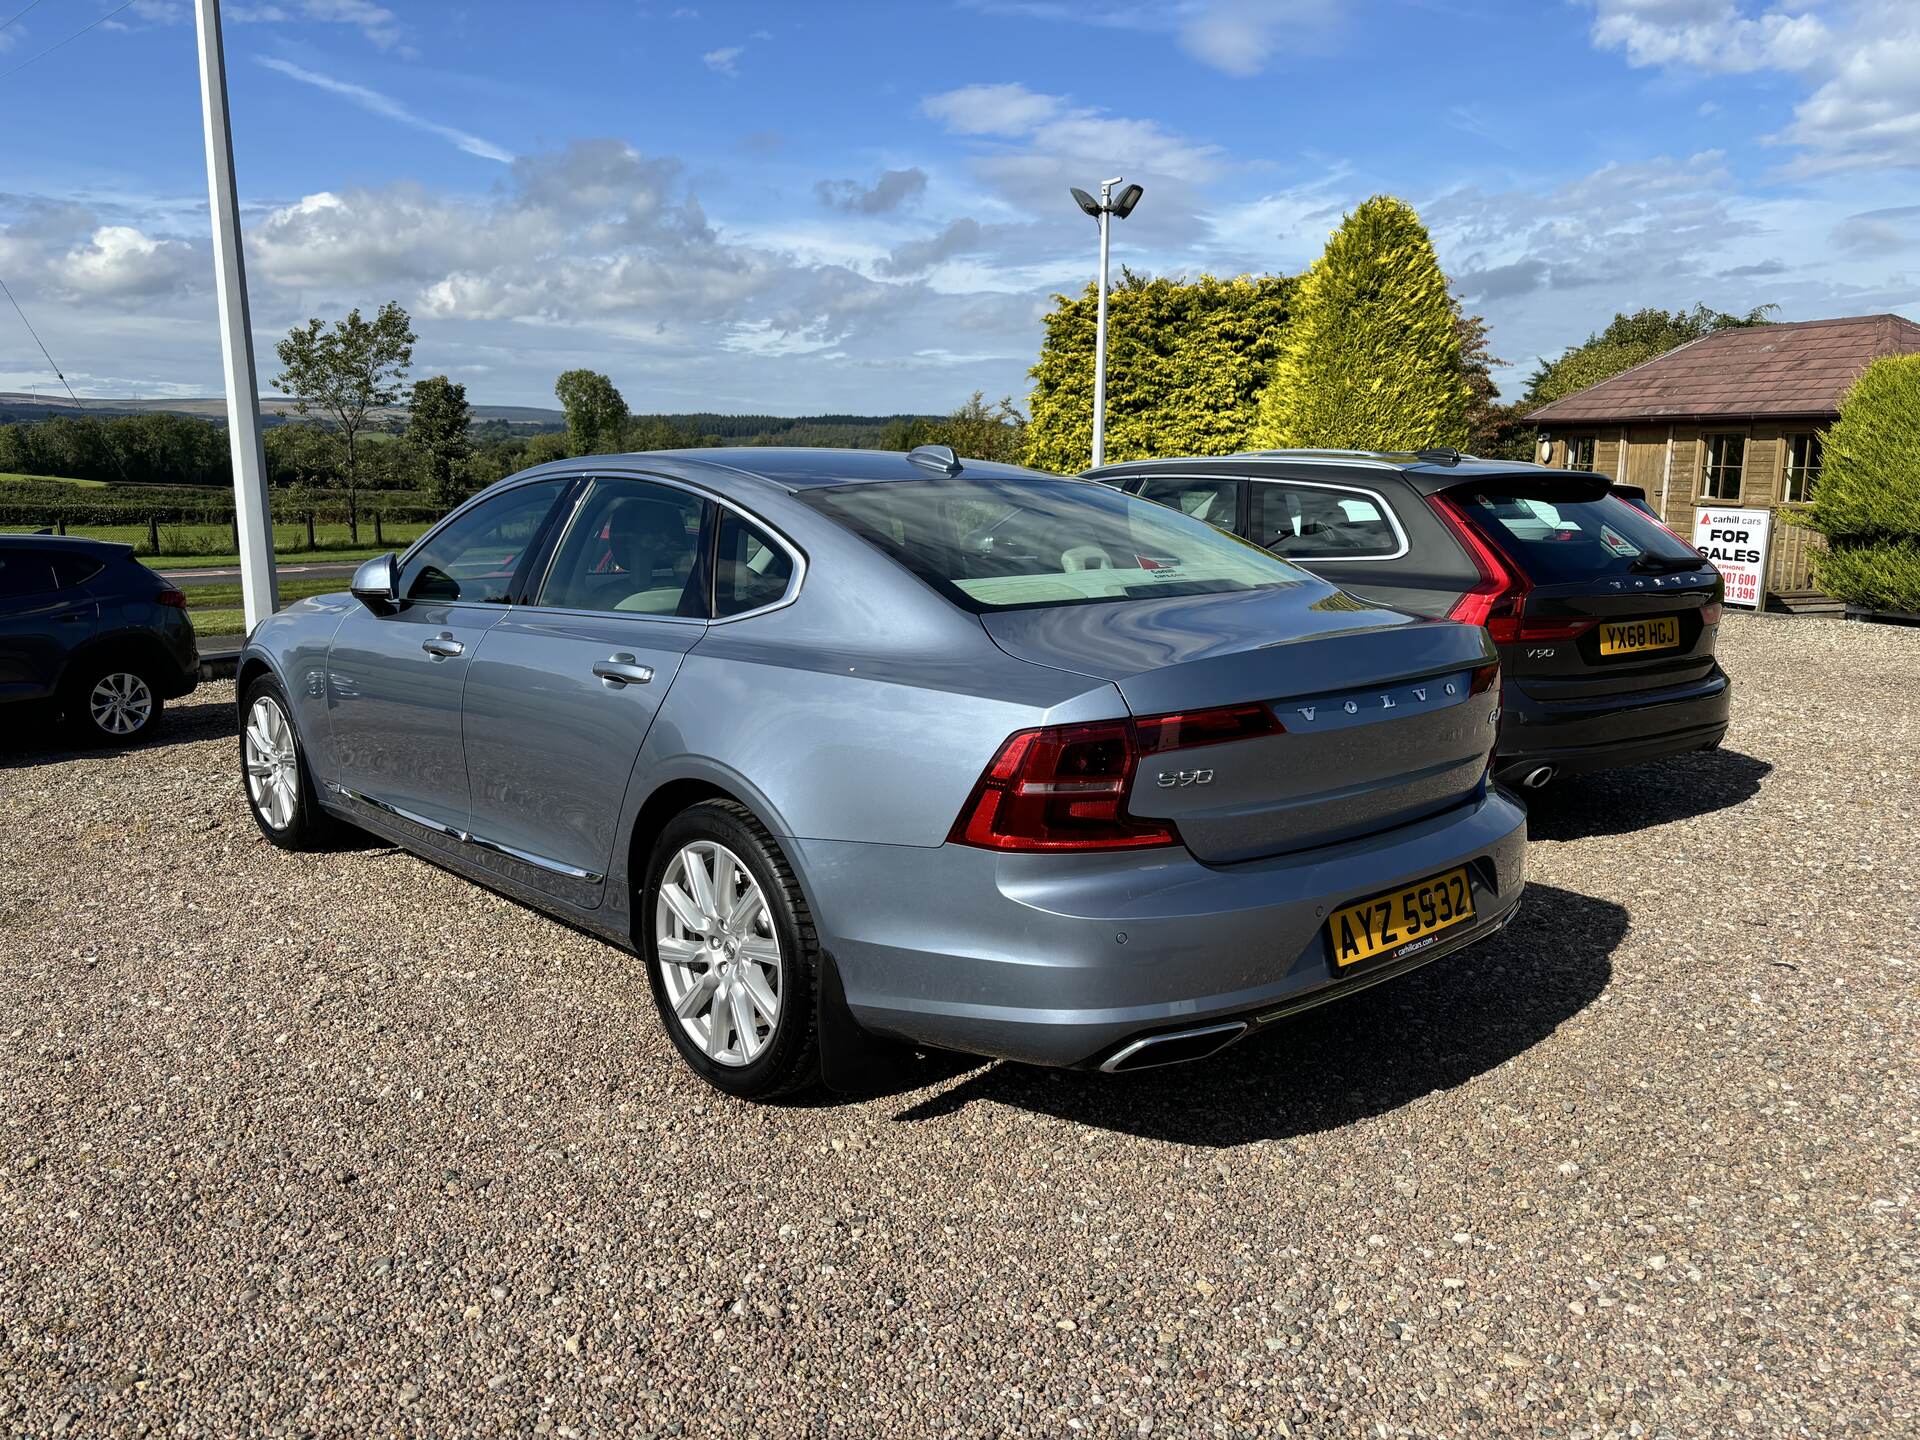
(1380, 501)
(467, 837)
(793, 551)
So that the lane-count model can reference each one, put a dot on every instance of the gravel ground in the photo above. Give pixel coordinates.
(339, 1144)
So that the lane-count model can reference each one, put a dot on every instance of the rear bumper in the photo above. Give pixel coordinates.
(1064, 960)
(1612, 730)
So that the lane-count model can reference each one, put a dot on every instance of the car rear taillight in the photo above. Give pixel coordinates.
(170, 596)
(1485, 678)
(1710, 613)
(1065, 787)
(1499, 593)
(1188, 728)
(1499, 600)
(1062, 788)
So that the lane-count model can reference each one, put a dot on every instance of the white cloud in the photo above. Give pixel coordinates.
(1707, 34)
(1241, 36)
(120, 262)
(724, 60)
(1007, 110)
(385, 105)
(1864, 109)
(1238, 37)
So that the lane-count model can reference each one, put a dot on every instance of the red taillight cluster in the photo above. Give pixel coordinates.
(170, 596)
(1065, 787)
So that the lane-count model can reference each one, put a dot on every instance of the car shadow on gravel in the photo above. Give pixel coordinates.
(40, 738)
(1344, 1062)
(1617, 802)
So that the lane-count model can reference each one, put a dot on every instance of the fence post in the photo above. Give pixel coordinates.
(310, 542)
(59, 524)
(378, 538)
(153, 535)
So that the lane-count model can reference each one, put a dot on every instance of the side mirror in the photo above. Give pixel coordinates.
(376, 584)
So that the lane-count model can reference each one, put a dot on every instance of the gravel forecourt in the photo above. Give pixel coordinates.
(339, 1144)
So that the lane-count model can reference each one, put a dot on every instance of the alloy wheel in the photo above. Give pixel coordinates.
(273, 766)
(718, 954)
(121, 703)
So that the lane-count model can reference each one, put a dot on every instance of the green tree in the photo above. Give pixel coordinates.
(1185, 363)
(1629, 340)
(596, 411)
(1867, 502)
(1485, 414)
(437, 429)
(299, 454)
(976, 431)
(1372, 358)
(346, 372)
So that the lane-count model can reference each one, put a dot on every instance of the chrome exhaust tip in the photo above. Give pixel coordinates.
(1537, 778)
(1174, 1047)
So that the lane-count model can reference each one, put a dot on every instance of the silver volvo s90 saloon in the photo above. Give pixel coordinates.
(854, 749)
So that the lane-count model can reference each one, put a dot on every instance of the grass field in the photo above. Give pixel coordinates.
(216, 609)
(193, 547)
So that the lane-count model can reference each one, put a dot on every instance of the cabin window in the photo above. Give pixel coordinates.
(1580, 452)
(1726, 457)
(1804, 454)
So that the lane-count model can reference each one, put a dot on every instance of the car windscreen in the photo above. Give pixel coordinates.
(1555, 541)
(993, 543)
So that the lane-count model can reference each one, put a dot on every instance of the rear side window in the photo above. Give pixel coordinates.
(71, 570)
(997, 543)
(474, 557)
(633, 548)
(1562, 540)
(1316, 522)
(751, 569)
(26, 572)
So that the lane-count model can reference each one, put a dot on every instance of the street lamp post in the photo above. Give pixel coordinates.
(1103, 208)
(253, 520)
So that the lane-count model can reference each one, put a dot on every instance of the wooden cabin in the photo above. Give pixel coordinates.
(1734, 418)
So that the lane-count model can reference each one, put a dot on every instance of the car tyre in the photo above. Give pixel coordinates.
(274, 775)
(112, 701)
(731, 953)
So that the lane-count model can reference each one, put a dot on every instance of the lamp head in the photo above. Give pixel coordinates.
(1128, 198)
(1086, 202)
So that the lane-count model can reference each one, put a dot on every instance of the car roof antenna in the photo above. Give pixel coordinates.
(1440, 455)
(935, 457)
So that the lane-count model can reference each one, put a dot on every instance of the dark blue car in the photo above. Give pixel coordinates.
(91, 632)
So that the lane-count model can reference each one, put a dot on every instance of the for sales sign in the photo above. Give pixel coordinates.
(1736, 542)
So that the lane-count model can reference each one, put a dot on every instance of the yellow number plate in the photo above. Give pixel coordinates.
(1623, 637)
(1400, 921)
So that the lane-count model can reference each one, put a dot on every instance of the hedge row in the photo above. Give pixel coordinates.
(35, 504)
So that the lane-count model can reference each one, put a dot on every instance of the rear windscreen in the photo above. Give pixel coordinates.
(1561, 540)
(998, 544)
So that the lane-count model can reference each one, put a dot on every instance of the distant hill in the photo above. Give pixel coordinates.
(15, 406)
(850, 430)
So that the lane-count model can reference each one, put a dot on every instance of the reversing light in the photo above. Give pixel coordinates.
(170, 596)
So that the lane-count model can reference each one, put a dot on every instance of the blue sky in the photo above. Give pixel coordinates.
(862, 206)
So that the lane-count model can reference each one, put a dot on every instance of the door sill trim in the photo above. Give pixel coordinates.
(467, 837)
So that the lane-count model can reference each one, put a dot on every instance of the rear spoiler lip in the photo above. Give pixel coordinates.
(1531, 482)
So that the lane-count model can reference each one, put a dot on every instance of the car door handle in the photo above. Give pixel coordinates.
(621, 670)
(443, 646)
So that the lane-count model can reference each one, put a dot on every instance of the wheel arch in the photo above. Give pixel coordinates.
(129, 647)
